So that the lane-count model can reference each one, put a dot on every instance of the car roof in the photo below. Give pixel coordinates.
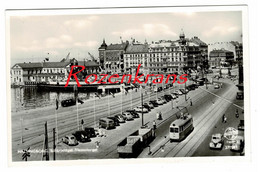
(217, 135)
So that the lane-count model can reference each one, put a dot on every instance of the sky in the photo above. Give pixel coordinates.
(33, 38)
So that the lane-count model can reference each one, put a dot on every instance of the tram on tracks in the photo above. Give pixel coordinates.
(181, 127)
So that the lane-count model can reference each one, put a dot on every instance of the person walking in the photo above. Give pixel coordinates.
(157, 115)
(224, 119)
(237, 114)
(190, 102)
(160, 116)
(154, 125)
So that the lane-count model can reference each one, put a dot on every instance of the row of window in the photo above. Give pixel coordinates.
(154, 55)
(181, 128)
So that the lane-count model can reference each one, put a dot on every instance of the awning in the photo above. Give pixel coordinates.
(106, 62)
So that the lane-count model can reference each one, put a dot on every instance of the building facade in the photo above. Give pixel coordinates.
(33, 73)
(166, 56)
(111, 57)
(221, 58)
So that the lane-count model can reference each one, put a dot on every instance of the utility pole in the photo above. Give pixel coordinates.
(185, 91)
(142, 109)
(46, 147)
(54, 146)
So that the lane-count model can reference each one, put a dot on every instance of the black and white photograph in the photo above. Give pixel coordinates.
(128, 83)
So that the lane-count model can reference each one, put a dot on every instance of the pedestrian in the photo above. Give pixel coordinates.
(100, 131)
(157, 115)
(154, 125)
(237, 114)
(190, 102)
(160, 116)
(224, 119)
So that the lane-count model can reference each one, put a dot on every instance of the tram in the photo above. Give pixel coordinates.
(181, 127)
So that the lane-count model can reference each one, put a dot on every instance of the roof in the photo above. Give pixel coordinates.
(29, 65)
(180, 121)
(121, 46)
(42, 65)
(88, 63)
(137, 48)
(55, 64)
(197, 41)
(219, 52)
(103, 45)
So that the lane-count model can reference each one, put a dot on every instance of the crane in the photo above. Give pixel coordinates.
(92, 57)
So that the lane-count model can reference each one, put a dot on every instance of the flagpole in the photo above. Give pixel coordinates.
(56, 121)
(77, 113)
(56, 117)
(94, 110)
(121, 99)
(132, 99)
(108, 103)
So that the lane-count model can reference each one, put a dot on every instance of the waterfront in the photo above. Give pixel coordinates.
(26, 98)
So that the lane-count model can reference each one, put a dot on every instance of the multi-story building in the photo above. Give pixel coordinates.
(135, 54)
(166, 56)
(229, 46)
(33, 73)
(221, 58)
(111, 56)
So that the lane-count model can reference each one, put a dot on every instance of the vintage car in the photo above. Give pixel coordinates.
(81, 136)
(128, 116)
(217, 141)
(70, 140)
(140, 109)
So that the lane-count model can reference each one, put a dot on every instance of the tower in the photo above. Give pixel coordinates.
(102, 50)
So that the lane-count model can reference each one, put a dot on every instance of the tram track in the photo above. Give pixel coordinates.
(83, 112)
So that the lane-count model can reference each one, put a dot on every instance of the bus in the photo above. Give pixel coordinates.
(181, 127)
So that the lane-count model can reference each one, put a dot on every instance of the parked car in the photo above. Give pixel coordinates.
(81, 136)
(140, 109)
(70, 140)
(68, 102)
(217, 141)
(128, 116)
(116, 121)
(191, 87)
(133, 113)
(120, 118)
(174, 96)
(241, 125)
(154, 102)
(106, 123)
(149, 104)
(238, 144)
(216, 86)
(159, 101)
(145, 105)
(178, 92)
(168, 97)
(163, 99)
(90, 131)
(183, 91)
(240, 95)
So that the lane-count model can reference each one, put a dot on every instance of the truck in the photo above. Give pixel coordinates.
(132, 145)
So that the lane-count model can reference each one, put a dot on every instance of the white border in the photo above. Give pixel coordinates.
(199, 159)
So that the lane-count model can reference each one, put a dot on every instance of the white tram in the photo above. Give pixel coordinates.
(181, 127)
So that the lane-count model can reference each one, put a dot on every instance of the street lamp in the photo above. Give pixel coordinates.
(142, 105)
